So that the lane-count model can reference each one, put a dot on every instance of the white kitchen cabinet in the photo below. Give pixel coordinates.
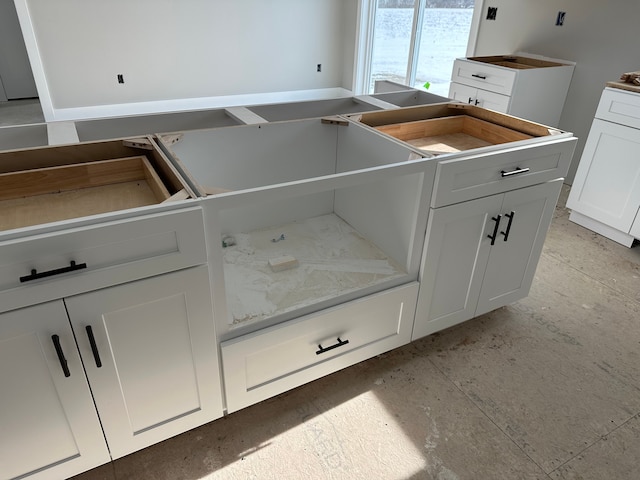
(496, 185)
(482, 254)
(523, 85)
(49, 428)
(169, 285)
(149, 353)
(148, 350)
(605, 195)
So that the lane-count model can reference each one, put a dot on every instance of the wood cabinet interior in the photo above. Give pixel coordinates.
(516, 61)
(46, 185)
(452, 134)
(452, 127)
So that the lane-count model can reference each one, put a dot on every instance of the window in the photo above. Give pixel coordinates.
(414, 42)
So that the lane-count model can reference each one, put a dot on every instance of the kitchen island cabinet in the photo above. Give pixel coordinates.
(280, 252)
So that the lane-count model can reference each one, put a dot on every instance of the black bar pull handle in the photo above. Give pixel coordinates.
(35, 275)
(61, 359)
(510, 217)
(477, 75)
(495, 229)
(94, 347)
(470, 100)
(322, 349)
(517, 171)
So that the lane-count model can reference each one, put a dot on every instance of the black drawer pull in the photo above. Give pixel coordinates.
(322, 349)
(495, 229)
(94, 347)
(61, 359)
(50, 273)
(517, 171)
(510, 217)
(481, 77)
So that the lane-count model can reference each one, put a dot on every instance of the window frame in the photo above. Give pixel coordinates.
(365, 32)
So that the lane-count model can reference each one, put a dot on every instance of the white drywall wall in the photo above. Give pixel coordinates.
(598, 36)
(170, 49)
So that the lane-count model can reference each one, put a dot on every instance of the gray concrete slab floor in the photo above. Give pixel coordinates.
(20, 112)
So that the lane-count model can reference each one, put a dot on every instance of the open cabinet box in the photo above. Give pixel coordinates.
(517, 61)
(452, 128)
(51, 184)
(303, 215)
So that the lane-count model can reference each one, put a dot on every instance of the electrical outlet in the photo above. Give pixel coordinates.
(491, 13)
(319, 68)
(560, 19)
(120, 78)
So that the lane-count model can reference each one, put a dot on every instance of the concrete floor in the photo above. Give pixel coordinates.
(20, 112)
(546, 388)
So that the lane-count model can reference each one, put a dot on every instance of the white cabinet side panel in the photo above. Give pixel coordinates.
(607, 184)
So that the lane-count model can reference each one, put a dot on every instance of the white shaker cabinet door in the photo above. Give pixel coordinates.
(49, 428)
(482, 254)
(607, 183)
(526, 217)
(150, 355)
(454, 261)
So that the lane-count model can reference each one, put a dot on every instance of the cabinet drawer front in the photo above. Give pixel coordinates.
(620, 107)
(263, 364)
(488, 77)
(105, 254)
(481, 175)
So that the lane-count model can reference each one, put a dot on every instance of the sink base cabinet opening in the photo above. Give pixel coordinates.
(284, 258)
(305, 215)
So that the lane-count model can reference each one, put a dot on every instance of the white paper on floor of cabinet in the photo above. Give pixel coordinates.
(333, 259)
